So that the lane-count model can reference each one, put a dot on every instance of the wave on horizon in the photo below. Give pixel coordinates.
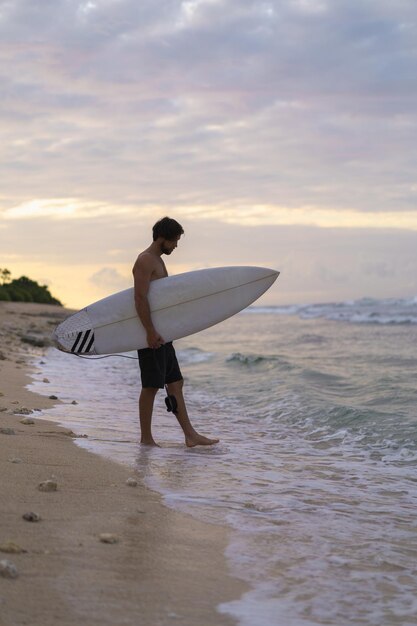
(389, 311)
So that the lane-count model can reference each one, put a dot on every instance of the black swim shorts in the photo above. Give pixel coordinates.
(159, 367)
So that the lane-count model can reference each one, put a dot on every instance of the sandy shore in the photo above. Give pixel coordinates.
(165, 567)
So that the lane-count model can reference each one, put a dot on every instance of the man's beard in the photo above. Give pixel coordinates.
(165, 250)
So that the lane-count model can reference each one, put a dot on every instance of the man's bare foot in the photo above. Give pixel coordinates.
(149, 442)
(198, 440)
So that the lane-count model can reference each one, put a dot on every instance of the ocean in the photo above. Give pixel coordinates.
(315, 473)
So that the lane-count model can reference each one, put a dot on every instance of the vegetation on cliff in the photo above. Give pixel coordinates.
(24, 289)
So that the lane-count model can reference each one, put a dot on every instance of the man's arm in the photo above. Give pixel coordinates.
(142, 274)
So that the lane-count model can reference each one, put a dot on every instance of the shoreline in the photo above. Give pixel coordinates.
(165, 567)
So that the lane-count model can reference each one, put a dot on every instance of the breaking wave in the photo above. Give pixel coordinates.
(392, 311)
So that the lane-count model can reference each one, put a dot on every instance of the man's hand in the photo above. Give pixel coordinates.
(154, 339)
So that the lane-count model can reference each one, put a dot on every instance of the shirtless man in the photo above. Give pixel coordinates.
(158, 363)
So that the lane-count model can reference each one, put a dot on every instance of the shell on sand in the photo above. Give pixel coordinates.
(11, 548)
(48, 485)
(132, 482)
(8, 569)
(108, 538)
(7, 431)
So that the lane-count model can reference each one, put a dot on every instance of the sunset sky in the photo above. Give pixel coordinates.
(279, 133)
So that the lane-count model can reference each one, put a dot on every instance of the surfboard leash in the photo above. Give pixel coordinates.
(106, 356)
(170, 400)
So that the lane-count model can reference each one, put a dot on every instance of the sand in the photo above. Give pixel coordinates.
(165, 567)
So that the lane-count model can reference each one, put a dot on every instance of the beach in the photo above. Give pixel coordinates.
(303, 514)
(103, 551)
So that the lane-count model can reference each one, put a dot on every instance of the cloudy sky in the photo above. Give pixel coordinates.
(279, 133)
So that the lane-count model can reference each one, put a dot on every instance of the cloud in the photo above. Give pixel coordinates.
(289, 116)
(266, 215)
(233, 213)
(316, 264)
(61, 208)
(291, 103)
(109, 279)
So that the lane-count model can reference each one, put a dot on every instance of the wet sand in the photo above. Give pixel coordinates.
(164, 568)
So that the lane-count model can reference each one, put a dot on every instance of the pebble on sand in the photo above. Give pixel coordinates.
(31, 517)
(7, 431)
(45, 380)
(11, 548)
(108, 538)
(48, 485)
(23, 411)
(53, 397)
(132, 482)
(15, 459)
(27, 421)
(71, 433)
(8, 569)
(39, 342)
(68, 432)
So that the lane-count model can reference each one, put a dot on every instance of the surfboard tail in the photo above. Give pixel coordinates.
(55, 340)
(78, 343)
(75, 334)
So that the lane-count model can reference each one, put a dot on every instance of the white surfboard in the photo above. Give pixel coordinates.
(180, 305)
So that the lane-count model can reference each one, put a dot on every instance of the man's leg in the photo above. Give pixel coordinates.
(146, 400)
(192, 437)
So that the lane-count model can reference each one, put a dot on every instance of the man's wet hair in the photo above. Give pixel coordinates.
(167, 228)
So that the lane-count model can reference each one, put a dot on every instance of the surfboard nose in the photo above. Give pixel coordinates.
(274, 273)
(266, 273)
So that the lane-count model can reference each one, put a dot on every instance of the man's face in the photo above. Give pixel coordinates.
(169, 245)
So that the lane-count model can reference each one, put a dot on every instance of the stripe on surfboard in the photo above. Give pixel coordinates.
(80, 344)
(74, 347)
(84, 341)
(90, 344)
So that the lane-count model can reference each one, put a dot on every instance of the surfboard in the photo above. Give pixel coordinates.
(180, 305)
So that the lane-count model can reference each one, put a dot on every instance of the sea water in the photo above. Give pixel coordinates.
(316, 409)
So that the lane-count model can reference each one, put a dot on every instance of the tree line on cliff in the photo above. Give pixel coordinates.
(24, 289)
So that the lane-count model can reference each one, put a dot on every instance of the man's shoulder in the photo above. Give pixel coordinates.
(146, 259)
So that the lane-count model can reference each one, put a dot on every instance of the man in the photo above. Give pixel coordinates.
(158, 363)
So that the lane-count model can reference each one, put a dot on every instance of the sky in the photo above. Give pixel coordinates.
(279, 133)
